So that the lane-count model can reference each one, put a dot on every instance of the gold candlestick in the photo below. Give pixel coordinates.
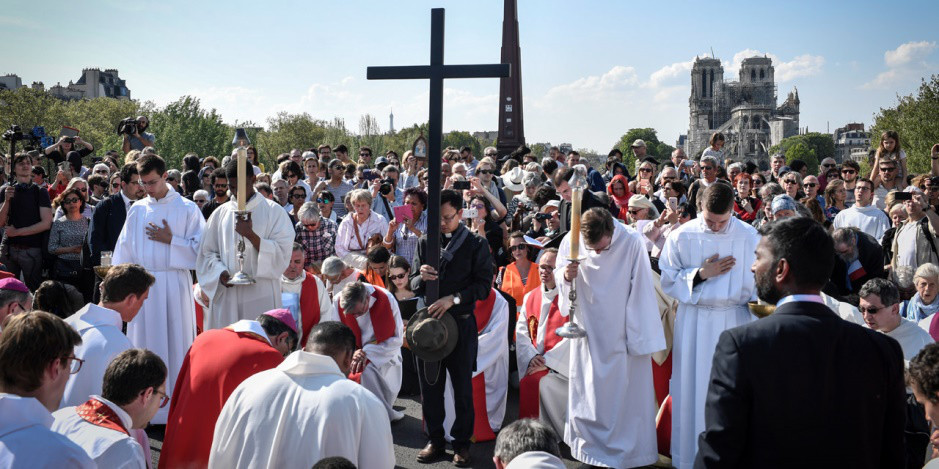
(241, 140)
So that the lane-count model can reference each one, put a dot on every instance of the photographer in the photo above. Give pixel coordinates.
(25, 220)
(135, 135)
(385, 194)
(65, 147)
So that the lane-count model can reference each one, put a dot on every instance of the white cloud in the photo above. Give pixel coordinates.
(801, 66)
(904, 64)
(594, 87)
(677, 69)
(907, 53)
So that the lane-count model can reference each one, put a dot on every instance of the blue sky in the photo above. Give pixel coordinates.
(590, 70)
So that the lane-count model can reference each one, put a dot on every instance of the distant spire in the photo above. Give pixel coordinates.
(391, 121)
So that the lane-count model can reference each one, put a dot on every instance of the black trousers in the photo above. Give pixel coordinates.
(461, 364)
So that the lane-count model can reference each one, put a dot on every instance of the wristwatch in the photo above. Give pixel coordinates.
(456, 298)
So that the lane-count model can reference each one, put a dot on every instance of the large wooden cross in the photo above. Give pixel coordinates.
(436, 72)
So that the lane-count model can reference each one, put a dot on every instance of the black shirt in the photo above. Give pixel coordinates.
(210, 207)
(58, 157)
(24, 212)
(469, 273)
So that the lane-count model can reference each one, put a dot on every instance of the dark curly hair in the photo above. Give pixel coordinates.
(924, 372)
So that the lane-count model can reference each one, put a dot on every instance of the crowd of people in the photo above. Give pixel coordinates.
(281, 333)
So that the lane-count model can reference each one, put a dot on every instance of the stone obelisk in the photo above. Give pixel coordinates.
(511, 120)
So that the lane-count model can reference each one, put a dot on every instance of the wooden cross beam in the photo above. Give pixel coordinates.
(436, 72)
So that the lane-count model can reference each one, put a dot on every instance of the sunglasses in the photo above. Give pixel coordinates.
(647, 170)
(757, 182)
(70, 200)
(809, 184)
(518, 247)
(870, 310)
(634, 212)
(483, 171)
(887, 170)
(492, 154)
(323, 201)
(297, 196)
(706, 168)
(115, 185)
(828, 165)
(789, 181)
(397, 277)
(848, 171)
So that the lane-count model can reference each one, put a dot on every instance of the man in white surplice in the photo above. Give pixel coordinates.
(268, 239)
(706, 267)
(162, 234)
(303, 411)
(611, 408)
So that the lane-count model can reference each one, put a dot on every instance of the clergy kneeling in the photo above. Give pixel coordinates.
(304, 294)
(134, 389)
(304, 410)
(541, 353)
(372, 314)
(218, 361)
(491, 378)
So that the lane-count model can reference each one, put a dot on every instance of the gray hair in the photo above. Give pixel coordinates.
(307, 154)
(883, 289)
(927, 271)
(352, 294)
(523, 436)
(738, 165)
(201, 192)
(531, 179)
(12, 296)
(309, 211)
(360, 195)
(846, 235)
(175, 174)
(333, 266)
(778, 156)
(487, 149)
(710, 159)
(770, 190)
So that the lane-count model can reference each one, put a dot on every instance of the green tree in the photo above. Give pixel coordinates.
(459, 139)
(653, 146)
(801, 151)
(821, 145)
(916, 119)
(183, 126)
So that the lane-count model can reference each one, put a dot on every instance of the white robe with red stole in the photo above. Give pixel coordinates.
(380, 334)
(535, 335)
(491, 378)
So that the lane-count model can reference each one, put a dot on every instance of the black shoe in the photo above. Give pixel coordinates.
(461, 457)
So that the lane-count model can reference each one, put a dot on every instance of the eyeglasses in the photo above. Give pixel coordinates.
(871, 309)
(647, 170)
(83, 190)
(706, 168)
(115, 185)
(634, 211)
(848, 171)
(75, 364)
(492, 154)
(171, 179)
(397, 277)
(518, 247)
(323, 201)
(888, 170)
(483, 171)
(757, 182)
(199, 201)
(70, 200)
(165, 399)
(829, 165)
(809, 184)
(297, 196)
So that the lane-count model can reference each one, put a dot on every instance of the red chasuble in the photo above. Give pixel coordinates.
(218, 361)
(383, 324)
(528, 395)
(481, 429)
(98, 413)
(309, 306)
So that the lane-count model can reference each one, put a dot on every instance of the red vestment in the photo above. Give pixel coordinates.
(309, 306)
(383, 324)
(481, 429)
(218, 361)
(528, 395)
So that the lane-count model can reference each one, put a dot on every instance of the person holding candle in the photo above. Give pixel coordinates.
(623, 330)
(267, 236)
(162, 234)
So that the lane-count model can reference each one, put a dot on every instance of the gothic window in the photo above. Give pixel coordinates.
(704, 84)
(762, 74)
(752, 75)
(712, 83)
(752, 146)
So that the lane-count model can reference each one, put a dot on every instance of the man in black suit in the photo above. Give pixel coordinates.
(802, 387)
(110, 213)
(858, 258)
(589, 201)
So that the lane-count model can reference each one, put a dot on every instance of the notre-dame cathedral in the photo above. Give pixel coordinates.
(745, 111)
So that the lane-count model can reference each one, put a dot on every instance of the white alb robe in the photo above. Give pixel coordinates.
(558, 358)
(298, 413)
(492, 361)
(870, 219)
(218, 254)
(846, 311)
(26, 442)
(611, 405)
(109, 448)
(166, 323)
(102, 340)
(704, 311)
(383, 372)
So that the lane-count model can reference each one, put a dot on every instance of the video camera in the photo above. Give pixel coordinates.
(32, 140)
(127, 126)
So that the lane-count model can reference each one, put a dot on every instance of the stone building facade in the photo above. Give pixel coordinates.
(745, 111)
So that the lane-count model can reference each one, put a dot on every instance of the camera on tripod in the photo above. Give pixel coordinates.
(127, 126)
(32, 140)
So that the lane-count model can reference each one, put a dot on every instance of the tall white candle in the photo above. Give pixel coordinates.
(242, 178)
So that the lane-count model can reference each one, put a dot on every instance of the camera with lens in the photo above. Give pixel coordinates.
(387, 185)
(127, 126)
(31, 140)
(542, 216)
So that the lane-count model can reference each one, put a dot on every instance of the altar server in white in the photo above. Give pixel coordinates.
(162, 234)
(372, 314)
(491, 378)
(123, 291)
(611, 409)
(134, 389)
(268, 241)
(304, 410)
(706, 267)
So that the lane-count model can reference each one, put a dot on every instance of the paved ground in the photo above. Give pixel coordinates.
(409, 439)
